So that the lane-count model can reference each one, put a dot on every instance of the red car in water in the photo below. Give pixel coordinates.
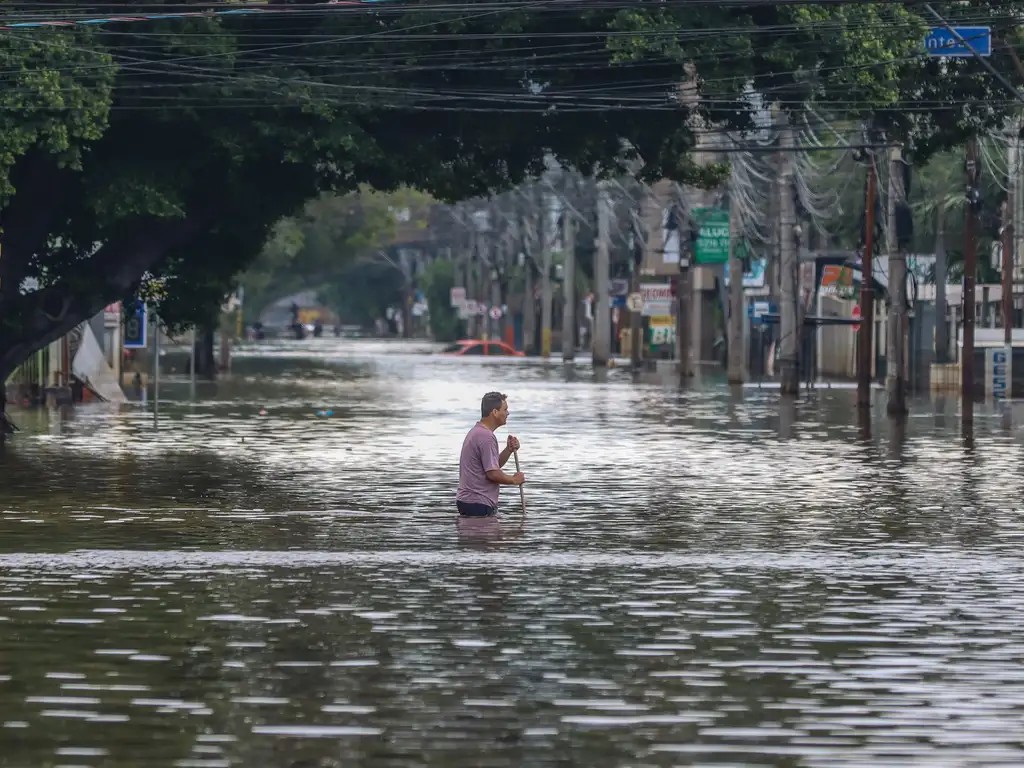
(479, 347)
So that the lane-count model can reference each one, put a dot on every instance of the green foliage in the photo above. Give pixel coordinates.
(172, 149)
(56, 96)
(317, 248)
(363, 290)
(438, 280)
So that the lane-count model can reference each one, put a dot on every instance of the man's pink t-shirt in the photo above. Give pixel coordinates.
(479, 455)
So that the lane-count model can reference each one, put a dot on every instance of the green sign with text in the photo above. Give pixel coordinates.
(712, 245)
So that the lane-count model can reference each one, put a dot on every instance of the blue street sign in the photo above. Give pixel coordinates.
(942, 42)
(135, 327)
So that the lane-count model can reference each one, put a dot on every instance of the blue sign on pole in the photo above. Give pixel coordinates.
(135, 323)
(942, 42)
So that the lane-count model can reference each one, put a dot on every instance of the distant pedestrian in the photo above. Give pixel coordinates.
(480, 474)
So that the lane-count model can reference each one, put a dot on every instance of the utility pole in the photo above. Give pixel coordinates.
(569, 287)
(472, 262)
(602, 311)
(737, 311)
(941, 278)
(1009, 238)
(896, 347)
(529, 307)
(970, 270)
(789, 357)
(866, 348)
(684, 291)
(635, 317)
(547, 242)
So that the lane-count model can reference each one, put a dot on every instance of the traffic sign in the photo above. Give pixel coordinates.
(135, 326)
(856, 316)
(495, 313)
(940, 41)
(635, 302)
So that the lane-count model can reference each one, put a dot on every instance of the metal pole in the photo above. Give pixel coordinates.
(547, 241)
(192, 367)
(156, 368)
(865, 350)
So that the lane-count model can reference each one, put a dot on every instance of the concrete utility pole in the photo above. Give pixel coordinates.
(472, 282)
(547, 243)
(737, 367)
(970, 270)
(636, 322)
(866, 347)
(941, 278)
(602, 310)
(529, 305)
(569, 287)
(684, 292)
(896, 339)
(789, 341)
(1009, 228)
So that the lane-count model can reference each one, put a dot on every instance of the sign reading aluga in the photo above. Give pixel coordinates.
(458, 296)
(712, 245)
(942, 42)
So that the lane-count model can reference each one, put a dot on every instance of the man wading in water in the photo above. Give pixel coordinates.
(480, 475)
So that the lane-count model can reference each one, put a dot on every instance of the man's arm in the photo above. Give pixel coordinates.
(498, 477)
(504, 456)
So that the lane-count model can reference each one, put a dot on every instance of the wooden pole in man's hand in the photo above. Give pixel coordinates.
(522, 494)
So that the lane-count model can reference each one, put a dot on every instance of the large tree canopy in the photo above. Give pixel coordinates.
(169, 148)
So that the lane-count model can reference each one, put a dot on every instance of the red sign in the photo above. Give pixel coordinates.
(856, 316)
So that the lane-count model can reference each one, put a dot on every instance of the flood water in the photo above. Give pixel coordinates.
(701, 578)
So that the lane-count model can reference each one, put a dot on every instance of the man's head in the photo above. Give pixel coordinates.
(494, 408)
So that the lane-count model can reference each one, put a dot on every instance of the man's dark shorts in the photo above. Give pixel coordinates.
(475, 510)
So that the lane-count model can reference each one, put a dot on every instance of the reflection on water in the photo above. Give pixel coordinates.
(702, 577)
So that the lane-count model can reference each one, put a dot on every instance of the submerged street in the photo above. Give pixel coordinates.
(274, 575)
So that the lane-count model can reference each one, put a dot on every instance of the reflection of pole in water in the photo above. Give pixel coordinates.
(897, 437)
(787, 418)
(864, 424)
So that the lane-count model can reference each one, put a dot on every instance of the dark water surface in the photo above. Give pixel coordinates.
(702, 578)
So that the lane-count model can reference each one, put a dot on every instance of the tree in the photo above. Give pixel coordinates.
(170, 153)
(319, 246)
(438, 281)
(362, 291)
(170, 150)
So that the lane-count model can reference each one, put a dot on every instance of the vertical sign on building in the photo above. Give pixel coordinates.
(998, 372)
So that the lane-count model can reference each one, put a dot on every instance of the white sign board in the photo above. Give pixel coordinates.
(657, 299)
(458, 296)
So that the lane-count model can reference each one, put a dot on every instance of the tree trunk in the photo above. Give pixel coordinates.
(35, 319)
(205, 365)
